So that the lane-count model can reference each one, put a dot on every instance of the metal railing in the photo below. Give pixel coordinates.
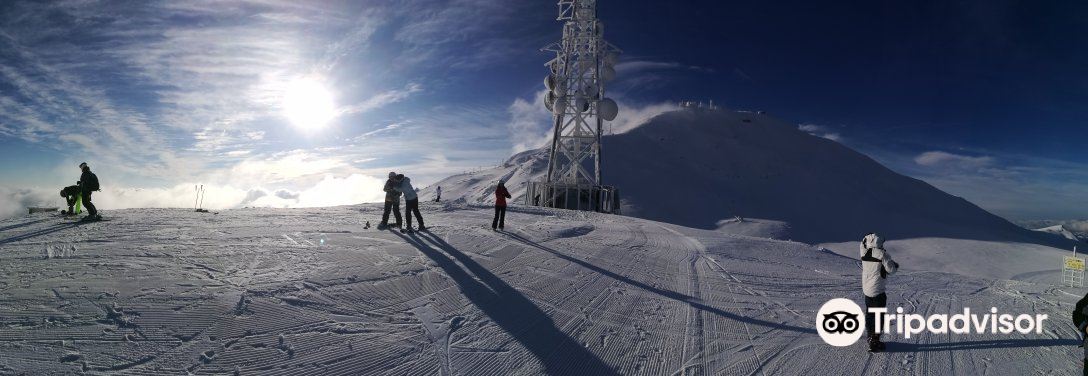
(587, 197)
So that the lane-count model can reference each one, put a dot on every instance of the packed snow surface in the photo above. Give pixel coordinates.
(310, 291)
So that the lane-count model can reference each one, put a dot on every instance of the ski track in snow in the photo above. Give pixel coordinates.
(309, 291)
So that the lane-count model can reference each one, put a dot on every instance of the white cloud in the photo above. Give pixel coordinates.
(820, 131)
(530, 122)
(382, 99)
(940, 158)
(634, 66)
(15, 201)
(287, 167)
(1018, 187)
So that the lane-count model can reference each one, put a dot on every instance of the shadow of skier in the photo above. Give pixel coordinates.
(17, 225)
(44, 231)
(512, 311)
(665, 293)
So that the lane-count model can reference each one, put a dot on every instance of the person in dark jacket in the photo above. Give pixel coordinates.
(88, 182)
(392, 201)
(71, 195)
(438, 194)
(501, 194)
(1080, 319)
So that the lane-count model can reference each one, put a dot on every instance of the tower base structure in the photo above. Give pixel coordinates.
(587, 197)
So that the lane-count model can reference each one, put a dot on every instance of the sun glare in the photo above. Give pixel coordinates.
(308, 104)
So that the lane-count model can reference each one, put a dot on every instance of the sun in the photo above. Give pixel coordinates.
(308, 104)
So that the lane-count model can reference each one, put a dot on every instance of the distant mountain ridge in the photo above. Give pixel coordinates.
(706, 168)
(1066, 231)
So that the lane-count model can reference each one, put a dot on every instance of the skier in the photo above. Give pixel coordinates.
(392, 202)
(71, 195)
(1080, 319)
(88, 182)
(438, 194)
(501, 194)
(876, 265)
(411, 202)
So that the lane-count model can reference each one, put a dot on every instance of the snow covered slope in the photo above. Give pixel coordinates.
(1063, 232)
(698, 168)
(309, 291)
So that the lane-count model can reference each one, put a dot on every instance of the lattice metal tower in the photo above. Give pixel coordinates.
(583, 63)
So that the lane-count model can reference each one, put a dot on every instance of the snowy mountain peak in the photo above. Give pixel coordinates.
(1065, 232)
(701, 168)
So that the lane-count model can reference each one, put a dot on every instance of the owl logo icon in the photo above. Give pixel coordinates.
(839, 322)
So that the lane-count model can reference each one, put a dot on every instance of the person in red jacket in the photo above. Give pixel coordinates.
(501, 194)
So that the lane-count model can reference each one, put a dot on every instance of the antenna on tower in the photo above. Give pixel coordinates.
(584, 62)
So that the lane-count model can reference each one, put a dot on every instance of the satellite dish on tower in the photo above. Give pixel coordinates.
(560, 104)
(608, 73)
(581, 104)
(553, 65)
(607, 109)
(592, 91)
(611, 58)
(560, 88)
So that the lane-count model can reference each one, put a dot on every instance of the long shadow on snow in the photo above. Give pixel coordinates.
(512, 311)
(976, 345)
(17, 225)
(44, 231)
(666, 293)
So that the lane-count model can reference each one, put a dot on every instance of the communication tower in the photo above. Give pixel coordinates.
(584, 62)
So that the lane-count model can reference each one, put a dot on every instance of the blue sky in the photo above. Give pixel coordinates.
(984, 99)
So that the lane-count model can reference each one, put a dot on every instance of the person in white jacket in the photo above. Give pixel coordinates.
(411, 202)
(876, 265)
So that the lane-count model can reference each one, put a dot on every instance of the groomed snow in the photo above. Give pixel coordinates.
(309, 291)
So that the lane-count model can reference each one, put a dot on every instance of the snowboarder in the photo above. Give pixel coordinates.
(1080, 319)
(88, 182)
(501, 194)
(411, 202)
(392, 202)
(71, 195)
(876, 265)
(438, 194)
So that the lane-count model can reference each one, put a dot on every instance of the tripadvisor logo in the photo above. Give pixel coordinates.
(841, 322)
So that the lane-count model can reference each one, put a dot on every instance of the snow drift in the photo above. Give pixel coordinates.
(703, 168)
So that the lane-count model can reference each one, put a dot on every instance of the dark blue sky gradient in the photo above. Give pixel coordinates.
(1005, 75)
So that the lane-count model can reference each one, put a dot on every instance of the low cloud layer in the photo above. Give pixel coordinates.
(331, 190)
(940, 158)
